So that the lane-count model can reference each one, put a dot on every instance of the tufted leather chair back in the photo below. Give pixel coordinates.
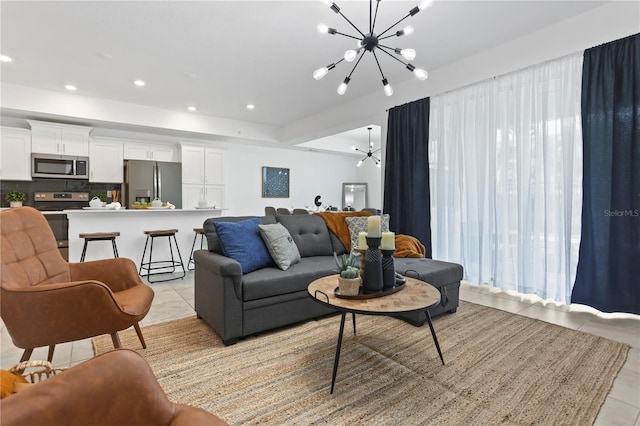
(30, 254)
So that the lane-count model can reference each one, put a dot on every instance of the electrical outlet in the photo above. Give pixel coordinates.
(108, 194)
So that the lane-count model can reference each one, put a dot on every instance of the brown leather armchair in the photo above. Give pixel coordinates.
(45, 300)
(114, 388)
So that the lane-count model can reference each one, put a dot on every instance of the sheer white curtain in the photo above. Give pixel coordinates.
(506, 178)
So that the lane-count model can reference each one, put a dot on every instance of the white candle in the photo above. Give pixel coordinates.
(362, 241)
(373, 226)
(388, 241)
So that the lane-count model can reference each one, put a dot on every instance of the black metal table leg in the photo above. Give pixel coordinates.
(353, 319)
(337, 358)
(433, 333)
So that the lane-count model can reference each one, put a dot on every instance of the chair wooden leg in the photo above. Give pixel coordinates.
(116, 340)
(50, 355)
(139, 333)
(26, 355)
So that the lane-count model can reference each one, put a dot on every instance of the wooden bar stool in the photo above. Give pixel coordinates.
(198, 231)
(169, 265)
(99, 236)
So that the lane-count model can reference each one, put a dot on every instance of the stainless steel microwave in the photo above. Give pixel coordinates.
(59, 166)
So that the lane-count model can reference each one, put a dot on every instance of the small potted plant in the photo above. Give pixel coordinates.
(349, 275)
(15, 198)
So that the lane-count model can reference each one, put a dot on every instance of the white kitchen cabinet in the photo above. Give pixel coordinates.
(192, 193)
(62, 139)
(202, 165)
(135, 151)
(15, 154)
(106, 160)
(202, 175)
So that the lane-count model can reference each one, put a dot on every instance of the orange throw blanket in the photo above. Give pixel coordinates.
(336, 224)
(408, 246)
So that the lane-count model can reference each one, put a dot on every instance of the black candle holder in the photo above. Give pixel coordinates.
(372, 279)
(388, 270)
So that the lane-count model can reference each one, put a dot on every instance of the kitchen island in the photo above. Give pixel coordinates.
(131, 223)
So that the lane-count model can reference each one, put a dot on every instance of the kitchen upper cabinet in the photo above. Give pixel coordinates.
(202, 176)
(202, 166)
(106, 160)
(62, 139)
(15, 154)
(135, 151)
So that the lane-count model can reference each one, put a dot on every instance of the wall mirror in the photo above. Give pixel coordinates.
(354, 196)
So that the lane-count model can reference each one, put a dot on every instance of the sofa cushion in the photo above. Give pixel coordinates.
(282, 248)
(241, 241)
(360, 224)
(270, 282)
(213, 243)
(310, 234)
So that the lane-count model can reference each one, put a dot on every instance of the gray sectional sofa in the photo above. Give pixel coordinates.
(237, 305)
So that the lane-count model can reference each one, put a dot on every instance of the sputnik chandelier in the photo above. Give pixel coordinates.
(370, 154)
(371, 42)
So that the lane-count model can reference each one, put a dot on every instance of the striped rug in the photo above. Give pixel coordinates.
(500, 368)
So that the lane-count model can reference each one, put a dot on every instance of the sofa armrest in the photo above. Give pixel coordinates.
(218, 294)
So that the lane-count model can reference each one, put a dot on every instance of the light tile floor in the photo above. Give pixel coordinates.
(175, 299)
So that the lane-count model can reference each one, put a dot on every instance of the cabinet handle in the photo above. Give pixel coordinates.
(64, 148)
(57, 147)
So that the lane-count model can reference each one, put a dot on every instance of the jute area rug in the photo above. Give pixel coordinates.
(500, 368)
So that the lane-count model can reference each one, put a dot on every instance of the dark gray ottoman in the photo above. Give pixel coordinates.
(444, 276)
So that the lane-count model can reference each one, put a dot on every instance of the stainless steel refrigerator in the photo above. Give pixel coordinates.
(146, 180)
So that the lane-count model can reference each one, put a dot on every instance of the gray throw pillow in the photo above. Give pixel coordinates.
(282, 248)
(359, 224)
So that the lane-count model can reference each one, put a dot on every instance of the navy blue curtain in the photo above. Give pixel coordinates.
(406, 177)
(608, 274)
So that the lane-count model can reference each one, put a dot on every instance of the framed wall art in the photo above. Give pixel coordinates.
(275, 182)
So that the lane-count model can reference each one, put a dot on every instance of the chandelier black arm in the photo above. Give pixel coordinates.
(378, 62)
(354, 67)
(348, 35)
(377, 150)
(359, 150)
(350, 23)
(385, 31)
(375, 17)
(382, 50)
(365, 157)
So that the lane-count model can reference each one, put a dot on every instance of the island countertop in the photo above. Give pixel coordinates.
(131, 223)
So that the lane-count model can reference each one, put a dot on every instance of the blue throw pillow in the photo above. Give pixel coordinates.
(241, 241)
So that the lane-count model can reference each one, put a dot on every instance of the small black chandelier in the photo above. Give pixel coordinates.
(370, 154)
(370, 42)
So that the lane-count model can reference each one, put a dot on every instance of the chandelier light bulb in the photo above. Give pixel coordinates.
(322, 28)
(378, 164)
(408, 54)
(359, 163)
(425, 4)
(408, 30)
(388, 90)
(320, 72)
(350, 55)
(342, 89)
(420, 74)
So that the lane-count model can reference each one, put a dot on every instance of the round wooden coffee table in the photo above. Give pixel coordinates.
(415, 295)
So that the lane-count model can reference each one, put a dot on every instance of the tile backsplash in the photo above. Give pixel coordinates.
(52, 185)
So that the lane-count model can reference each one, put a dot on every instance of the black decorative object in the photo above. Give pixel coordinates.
(317, 201)
(372, 279)
(371, 42)
(275, 182)
(388, 270)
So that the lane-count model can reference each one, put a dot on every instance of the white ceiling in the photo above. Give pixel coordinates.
(222, 55)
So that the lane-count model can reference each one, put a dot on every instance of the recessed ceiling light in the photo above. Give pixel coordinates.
(71, 87)
(251, 106)
(5, 58)
(191, 108)
(139, 83)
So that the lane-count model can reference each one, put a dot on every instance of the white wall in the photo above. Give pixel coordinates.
(312, 173)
